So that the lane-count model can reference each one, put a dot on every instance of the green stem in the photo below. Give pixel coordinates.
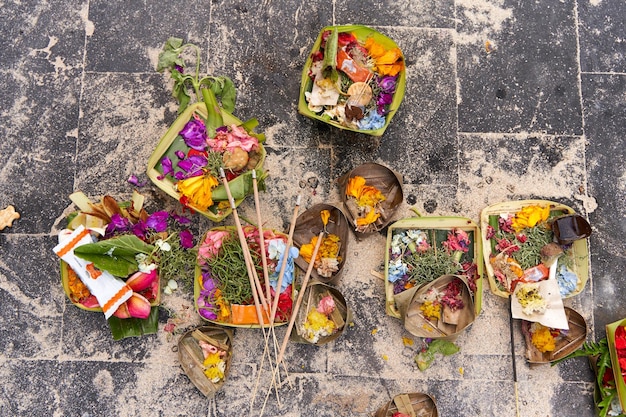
(214, 114)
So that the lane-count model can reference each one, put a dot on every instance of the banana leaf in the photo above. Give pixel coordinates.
(123, 328)
(116, 255)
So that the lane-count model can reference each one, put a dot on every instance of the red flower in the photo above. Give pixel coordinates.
(491, 232)
(521, 238)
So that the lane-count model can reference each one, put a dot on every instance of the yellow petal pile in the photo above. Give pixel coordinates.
(530, 216)
(543, 339)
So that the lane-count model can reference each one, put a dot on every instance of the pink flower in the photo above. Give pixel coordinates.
(326, 305)
(504, 245)
(239, 138)
(505, 224)
(457, 241)
(521, 238)
(491, 232)
(211, 245)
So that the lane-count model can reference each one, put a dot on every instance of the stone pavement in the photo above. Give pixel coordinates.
(538, 113)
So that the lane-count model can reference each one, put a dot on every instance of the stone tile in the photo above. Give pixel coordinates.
(127, 37)
(31, 303)
(529, 83)
(122, 121)
(264, 60)
(437, 14)
(33, 387)
(40, 124)
(126, 389)
(602, 36)
(497, 168)
(605, 104)
(42, 38)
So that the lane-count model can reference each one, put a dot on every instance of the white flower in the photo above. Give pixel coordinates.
(147, 267)
(275, 248)
(163, 245)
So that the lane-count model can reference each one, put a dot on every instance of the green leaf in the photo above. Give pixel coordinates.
(173, 43)
(122, 328)
(116, 255)
(240, 187)
(443, 346)
(330, 55)
(228, 95)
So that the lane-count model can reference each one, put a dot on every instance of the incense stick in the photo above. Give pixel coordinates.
(252, 276)
(513, 358)
(257, 205)
(294, 312)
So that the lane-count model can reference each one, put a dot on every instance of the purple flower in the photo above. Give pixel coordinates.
(158, 221)
(179, 68)
(139, 230)
(117, 224)
(387, 84)
(194, 134)
(384, 99)
(180, 154)
(180, 219)
(186, 239)
(193, 165)
(135, 181)
(207, 314)
(166, 164)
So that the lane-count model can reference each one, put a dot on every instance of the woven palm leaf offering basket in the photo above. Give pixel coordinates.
(114, 256)
(322, 316)
(205, 354)
(371, 194)
(530, 242)
(205, 138)
(433, 274)
(616, 339)
(223, 292)
(545, 344)
(331, 256)
(354, 79)
(415, 404)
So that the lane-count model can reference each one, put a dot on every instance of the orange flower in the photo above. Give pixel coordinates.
(387, 61)
(365, 195)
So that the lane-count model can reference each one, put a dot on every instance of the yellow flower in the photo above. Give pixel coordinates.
(212, 359)
(542, 338)
(222, 304)
(530, 216)
(387, 61)
(328, 249)
(369, 218)
(431, 309)
(198, 190)
(325, 215)
(215, 374)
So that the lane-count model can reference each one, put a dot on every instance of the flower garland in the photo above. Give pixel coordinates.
(523, 249)
(414, 261)
(224, 281)
(353, 82)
